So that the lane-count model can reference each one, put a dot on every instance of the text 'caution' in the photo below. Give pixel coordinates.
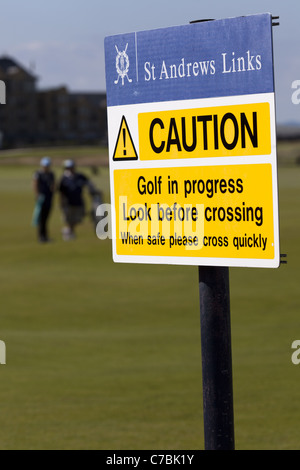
(207, 132)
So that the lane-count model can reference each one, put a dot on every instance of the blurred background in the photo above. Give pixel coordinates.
(106, 356)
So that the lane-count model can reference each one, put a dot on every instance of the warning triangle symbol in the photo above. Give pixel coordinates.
(124, 149)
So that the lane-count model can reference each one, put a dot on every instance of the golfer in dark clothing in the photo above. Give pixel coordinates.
(71, 187)
(44, 185)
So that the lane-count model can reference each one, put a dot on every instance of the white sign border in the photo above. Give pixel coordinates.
(115, 114)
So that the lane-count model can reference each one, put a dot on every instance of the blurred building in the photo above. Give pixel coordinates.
(18, 117)
(73, 117)
(31, 116)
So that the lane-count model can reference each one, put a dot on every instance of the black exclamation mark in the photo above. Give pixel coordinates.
(124, 141)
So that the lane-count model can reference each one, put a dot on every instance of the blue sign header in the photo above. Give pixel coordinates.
(216, 58)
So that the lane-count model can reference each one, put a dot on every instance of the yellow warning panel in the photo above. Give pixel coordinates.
(124, 149)
(211, 212)
(220, 131)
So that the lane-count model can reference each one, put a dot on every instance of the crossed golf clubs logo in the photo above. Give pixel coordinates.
(122, 65)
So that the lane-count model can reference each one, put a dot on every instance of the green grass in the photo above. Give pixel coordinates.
(108, 356)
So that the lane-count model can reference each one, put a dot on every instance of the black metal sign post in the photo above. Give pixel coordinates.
(216, 358)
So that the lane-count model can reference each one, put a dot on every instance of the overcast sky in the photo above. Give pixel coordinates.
(62, 41)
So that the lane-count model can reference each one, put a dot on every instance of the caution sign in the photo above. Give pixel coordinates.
(210, 132)
(124, 149)
(192, 144)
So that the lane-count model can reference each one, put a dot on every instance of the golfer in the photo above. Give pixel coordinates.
(71, 187)
(43, 186)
